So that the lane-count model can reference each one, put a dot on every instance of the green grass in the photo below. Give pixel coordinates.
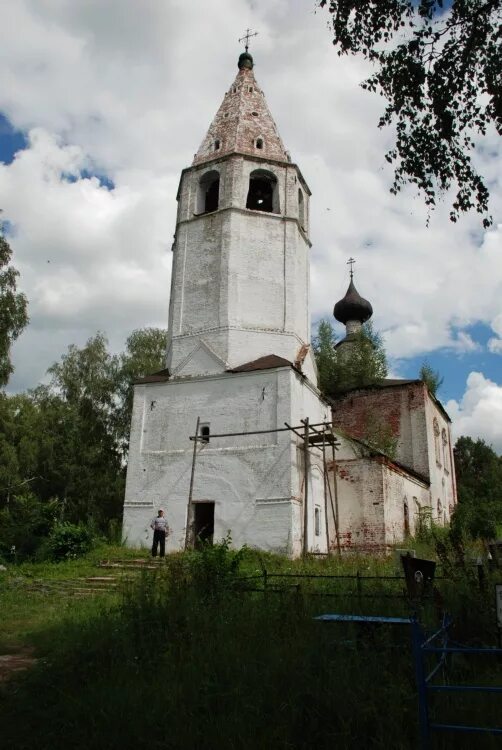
(28, 613)
(180, 661)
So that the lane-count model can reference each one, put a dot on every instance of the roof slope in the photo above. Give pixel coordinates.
(242, 118)
(268, 362)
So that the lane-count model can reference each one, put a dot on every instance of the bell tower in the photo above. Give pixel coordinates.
(208, 438)
(240, 276)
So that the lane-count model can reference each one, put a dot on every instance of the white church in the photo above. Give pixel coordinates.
(233, 436)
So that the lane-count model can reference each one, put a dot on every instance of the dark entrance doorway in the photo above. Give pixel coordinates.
(203, 526)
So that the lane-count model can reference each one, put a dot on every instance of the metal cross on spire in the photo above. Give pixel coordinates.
(247, 37)
(350, 263)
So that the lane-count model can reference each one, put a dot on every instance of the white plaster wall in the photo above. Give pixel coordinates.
(240, 278)
(306, 401)
(371, 498)
(360, 503)
(249, 477)
(399, 488)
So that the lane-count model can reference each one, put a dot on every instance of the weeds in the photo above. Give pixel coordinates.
(186, 658)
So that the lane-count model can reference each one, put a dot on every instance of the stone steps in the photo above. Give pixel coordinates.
(134, 564)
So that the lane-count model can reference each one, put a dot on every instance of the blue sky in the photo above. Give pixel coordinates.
(106, 104)
(11, 140)
(454, 367)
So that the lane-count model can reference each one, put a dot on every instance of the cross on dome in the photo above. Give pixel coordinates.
(352, 308)
(247, 37)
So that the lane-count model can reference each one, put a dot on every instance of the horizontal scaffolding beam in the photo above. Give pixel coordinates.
(257, 432)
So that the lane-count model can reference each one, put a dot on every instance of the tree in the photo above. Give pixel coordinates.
(63, 445)
(478, 470)
(360, 363)
(323, 345)
(439, 65)
(13, 310)
(79, 410)
(432, 378)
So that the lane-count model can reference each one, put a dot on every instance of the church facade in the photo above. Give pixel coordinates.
(219, 438)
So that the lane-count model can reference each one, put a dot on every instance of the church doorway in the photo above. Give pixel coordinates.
(203, 526)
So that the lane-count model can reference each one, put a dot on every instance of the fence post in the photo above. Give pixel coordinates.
(359, 586)
(423, 712)
(265, 580)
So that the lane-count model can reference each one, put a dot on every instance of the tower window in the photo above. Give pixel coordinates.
(263, 192)
(250, 89)
(209, 192)
(217, 145)
(317, 521)
(259, 143)
(255, 114)
(301, 209)
(205, 432)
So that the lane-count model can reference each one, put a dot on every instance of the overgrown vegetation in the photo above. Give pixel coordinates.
(361, 363)
(432, 378)
(187, 658)
(13, 309)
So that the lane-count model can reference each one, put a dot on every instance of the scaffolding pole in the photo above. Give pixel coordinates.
(188, 529)
(335, 487)
(303, 432)
(326, 480)
(306, 457)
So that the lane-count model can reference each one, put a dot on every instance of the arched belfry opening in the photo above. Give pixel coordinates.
(208, 195)
(263, 194)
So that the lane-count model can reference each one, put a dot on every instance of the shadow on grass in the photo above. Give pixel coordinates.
(183, 662)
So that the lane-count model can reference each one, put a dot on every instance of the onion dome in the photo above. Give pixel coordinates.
(245, 61)
(353, 307)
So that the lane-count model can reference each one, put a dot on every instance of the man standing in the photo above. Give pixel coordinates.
(159, 526)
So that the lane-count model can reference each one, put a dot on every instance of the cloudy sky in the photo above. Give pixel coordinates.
(102, 104)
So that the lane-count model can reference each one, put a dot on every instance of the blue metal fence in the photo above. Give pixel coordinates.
(438, 644)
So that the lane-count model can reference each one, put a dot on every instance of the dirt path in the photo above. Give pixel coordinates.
(12, 664)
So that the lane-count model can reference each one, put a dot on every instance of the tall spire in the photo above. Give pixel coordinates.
(243, 123)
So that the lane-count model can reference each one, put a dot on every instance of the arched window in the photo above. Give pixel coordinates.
(440, 511)
(301, 209)
(259, 143)
(263, 194)
(317, 520)
(208, 195)
(437, 447)
(217, 144)
(406, 517)
(444, 440)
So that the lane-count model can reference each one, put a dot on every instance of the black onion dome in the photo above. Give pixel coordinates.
(245, 61)
(353, 307)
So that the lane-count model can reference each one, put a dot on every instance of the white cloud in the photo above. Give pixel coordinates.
(129, 88)
(495, 344)
(479, 412)
(463, 343)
